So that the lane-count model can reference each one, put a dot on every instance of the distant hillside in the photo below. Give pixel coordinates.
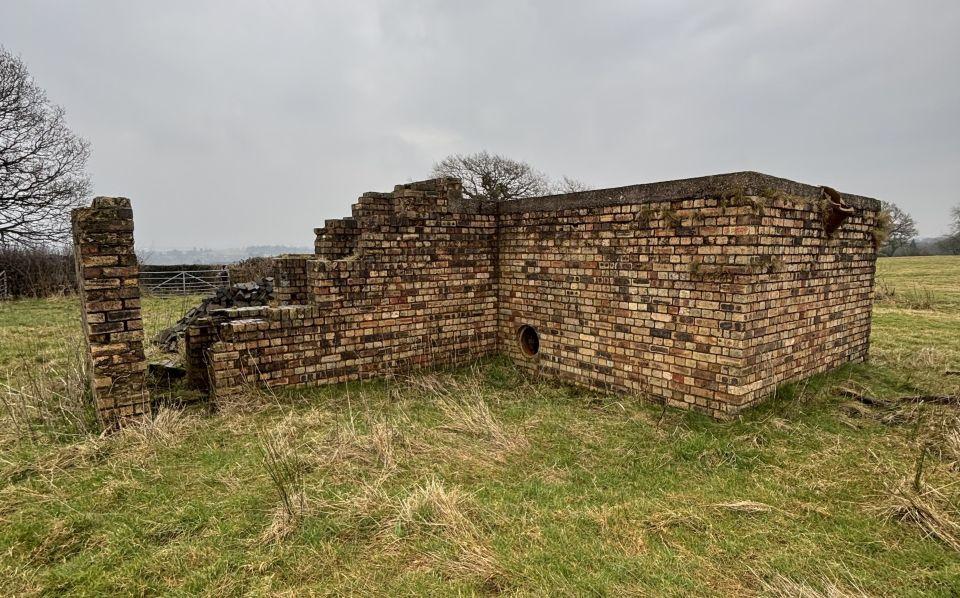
(162, 257)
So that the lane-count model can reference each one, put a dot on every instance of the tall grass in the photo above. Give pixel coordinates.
(49, 399)
(919, 298)
(284, 468)
(781, 586)
(475, 481)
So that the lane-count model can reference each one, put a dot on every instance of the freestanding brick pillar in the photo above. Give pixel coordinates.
(107, 277)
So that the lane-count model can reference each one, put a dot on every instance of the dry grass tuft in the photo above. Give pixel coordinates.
(781, 586)
(435, 510)
(884, 292)
(744, 506)
(352, 441)
(251, 399)
(363, 509)
(134, 442)
(698, 520)
(925, 509)
(285, 469)
(431, 505)
(472, 416)
(467, 412)
(285, 521)
(916, 298)
(382, 438)
(951, 447)
(167, 426)
(87, 452)
(665, 521)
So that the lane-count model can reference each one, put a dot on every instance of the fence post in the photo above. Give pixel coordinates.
(107, 277)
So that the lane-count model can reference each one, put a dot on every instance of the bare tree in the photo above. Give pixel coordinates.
(570, 185)
(951, 243)
(492, 177)
(42, 163)
(498, 178)
(902, 229)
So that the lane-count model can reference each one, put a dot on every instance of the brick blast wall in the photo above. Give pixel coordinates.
(707, 302)
(705, 293)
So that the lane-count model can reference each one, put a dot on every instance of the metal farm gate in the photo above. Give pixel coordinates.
(196, 281)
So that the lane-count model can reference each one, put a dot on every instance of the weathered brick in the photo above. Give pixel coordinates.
(693, 291)
(110, 307)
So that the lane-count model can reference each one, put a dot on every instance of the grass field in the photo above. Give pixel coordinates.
(481, 480)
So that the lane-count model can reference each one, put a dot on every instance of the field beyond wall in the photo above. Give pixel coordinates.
(484, 480)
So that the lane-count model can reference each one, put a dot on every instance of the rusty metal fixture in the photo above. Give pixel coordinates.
(529, 340)
(835, 209)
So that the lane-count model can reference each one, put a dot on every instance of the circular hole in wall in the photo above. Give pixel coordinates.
(529, 340)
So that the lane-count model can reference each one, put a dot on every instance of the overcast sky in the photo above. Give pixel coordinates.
(242, 123)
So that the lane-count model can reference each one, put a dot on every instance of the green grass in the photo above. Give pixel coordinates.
(47, 332)
(481, 480)
(931, 282)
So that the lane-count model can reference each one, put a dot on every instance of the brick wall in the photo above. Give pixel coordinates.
(107, 276)
(810, 310)
(612, 293)
(290, 285)
(705, 293)
(413, 288)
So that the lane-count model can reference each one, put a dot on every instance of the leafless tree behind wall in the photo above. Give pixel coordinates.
(570, 185)
(951, 243)
(903, 229)
(42, 163)
(498, 178)
(492, 177)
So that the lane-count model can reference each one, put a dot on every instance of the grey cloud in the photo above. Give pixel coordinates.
(237, 123)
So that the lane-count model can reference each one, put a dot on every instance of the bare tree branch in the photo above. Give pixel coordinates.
(951, 243)
(492, 177)
(570, 185)
(42, 163)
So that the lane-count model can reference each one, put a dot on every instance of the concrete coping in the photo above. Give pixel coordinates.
(750, 182)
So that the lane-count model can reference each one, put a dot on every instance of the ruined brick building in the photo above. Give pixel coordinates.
(705, 293)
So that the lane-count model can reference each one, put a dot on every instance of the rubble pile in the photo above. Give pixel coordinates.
(244, 294)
